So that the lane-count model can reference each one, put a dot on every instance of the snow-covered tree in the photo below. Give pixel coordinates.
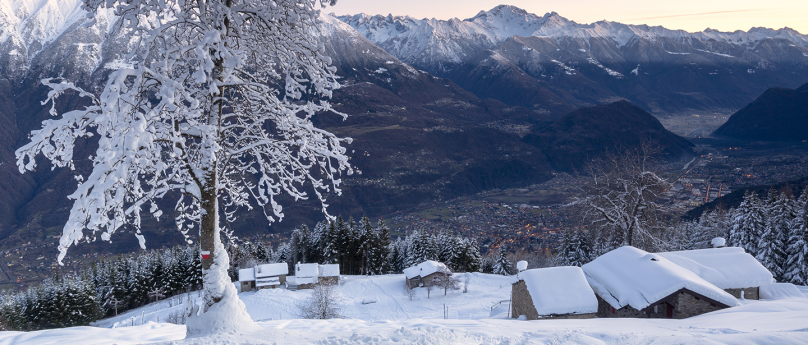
(502, 265)
(772, 243)
(796, 267)
(748, 223)
(619, 196)
(216, 107)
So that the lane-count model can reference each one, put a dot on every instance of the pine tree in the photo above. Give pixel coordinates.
(502, 265)
(382, 250)
(583, 249)
(748, 224)
(796, 267)
(418, 248)
(566, 246)
(772, 244)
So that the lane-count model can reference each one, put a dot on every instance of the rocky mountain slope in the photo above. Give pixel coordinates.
(779, 114)
(573, 140)
(551, 64)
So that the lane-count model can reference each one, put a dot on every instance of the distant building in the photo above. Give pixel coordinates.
(263, 276)
(246, 277)
(553, 293)
(424, 273)
(271, 275)
(728, 268)
(630, 282)
(328, 273)
(306, 275)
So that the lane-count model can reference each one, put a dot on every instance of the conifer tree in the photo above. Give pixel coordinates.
(772, 243)
(796, 267)
(502, 265)
(382, 249)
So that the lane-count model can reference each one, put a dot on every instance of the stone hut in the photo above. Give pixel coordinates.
(729, 268)
(425, 273)
(328, 273)
(271, 275)
(553, 293)
(306, 275)
(630, 282)
(246, 278)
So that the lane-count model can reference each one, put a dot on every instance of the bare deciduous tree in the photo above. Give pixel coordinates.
(618, 199)
(325, 302)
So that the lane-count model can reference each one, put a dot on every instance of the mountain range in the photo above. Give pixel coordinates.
(552, 65)
(461, 107)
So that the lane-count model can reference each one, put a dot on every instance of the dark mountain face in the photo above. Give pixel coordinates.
(573, 140)
(779, 114)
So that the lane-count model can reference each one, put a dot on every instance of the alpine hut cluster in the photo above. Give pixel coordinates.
(630, 282)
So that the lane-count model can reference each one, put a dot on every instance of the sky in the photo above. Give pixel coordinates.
(690, 15)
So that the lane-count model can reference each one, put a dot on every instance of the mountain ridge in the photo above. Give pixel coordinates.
(664, 71)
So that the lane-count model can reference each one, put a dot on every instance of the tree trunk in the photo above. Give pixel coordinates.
(208, 238)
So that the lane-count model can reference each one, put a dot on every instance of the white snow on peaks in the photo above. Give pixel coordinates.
(452, 40)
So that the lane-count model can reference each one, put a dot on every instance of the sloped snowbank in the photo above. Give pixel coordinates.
(756, 322)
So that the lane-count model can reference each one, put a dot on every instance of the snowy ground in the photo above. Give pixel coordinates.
(393, 318)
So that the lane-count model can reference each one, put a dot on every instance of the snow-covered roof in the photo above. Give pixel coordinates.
(270, 270)
(726, 268)
(560, 290)
(246, 274)
(424, 269)
(330, 270)
(780, 290)
(630, 276)
(306, 270)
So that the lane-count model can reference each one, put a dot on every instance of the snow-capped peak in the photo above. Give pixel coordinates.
(452, 40)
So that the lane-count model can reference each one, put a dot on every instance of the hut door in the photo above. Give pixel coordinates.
(669, 311)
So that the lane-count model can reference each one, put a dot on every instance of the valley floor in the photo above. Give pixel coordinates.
(378, 312)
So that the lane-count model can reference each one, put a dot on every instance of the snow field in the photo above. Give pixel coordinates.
(393, 319)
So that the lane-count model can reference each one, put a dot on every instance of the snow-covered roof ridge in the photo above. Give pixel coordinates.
(306, 270)
(726, 268)
(559, 290)
(270, 270)
(425, 268)
(631, 276)
(329, 270)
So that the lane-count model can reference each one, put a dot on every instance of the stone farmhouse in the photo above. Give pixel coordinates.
(328, 273)
(306, 275)
(271, 275)
(425, 273)
(246, 278)
(630, 282)
(263, 276)
(553, 293)
(729, 268)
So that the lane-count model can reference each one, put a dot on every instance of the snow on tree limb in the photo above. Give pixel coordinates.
(222, 93)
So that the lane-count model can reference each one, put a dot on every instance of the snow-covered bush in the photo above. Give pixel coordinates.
(325, 302)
